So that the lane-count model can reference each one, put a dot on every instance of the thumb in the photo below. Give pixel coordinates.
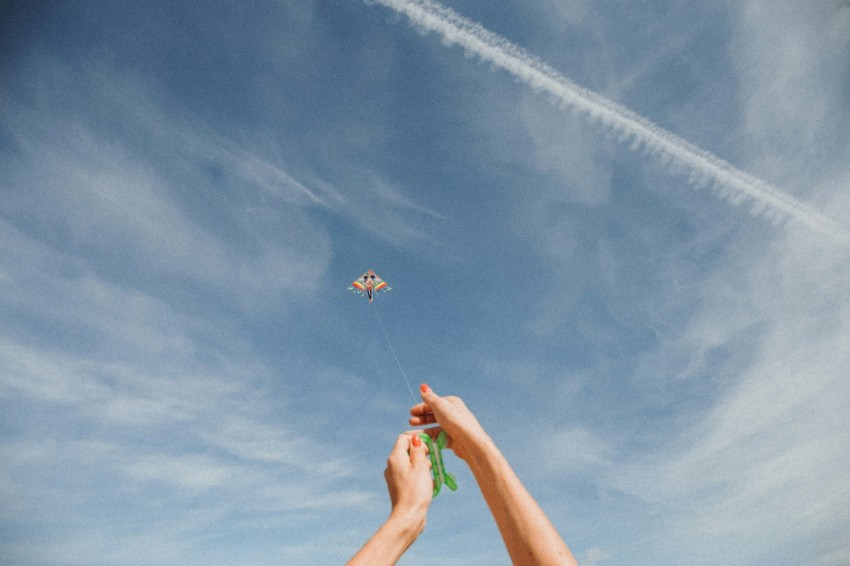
(428, 394)
(417, 451)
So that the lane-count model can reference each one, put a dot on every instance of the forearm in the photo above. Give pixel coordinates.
(391, 540)
(528, 534)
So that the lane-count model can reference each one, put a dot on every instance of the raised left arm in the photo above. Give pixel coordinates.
(411, 488)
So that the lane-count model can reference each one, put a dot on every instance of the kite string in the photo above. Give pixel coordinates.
(387, 338)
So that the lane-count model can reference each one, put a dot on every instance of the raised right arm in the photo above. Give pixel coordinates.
(529, 536)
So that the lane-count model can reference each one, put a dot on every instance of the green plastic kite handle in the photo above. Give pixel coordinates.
(438, 470)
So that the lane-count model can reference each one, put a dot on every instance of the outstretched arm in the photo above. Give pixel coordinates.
(528, 534)
(410, 485)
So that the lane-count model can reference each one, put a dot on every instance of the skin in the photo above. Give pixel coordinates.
(529, 536)
(409, 482)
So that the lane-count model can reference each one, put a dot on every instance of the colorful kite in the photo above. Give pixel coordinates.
(370, 284)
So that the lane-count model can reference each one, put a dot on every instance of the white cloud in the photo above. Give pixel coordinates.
(129, 402)
(127, 200)
(791, 60)
(386, 212)
(559, 147)
(572, 11)
(574, 450)
(767, 339)
(188, 473)
(702, 167)
(769, 457)
(593, 556)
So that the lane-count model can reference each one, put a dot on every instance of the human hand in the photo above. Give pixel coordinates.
(411, 491)
(409, 481)
(452, 416)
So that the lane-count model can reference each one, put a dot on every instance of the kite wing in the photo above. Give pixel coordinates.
(381, 285)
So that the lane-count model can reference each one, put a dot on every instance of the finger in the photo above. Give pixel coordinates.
(427, 393)
(433, 432)
(400, 447)
(431, 399)
(420, 409)
(423, 419)
(415, 448)
(422, 414)
(419, 454)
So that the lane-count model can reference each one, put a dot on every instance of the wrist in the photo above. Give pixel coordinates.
(410, 521)
(479, 443)
(481, 452)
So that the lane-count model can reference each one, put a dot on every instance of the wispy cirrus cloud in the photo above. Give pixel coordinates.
(702, 167)
(768, 456)
(134, 202)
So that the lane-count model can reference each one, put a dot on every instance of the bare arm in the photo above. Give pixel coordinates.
(528, 534)
(410, 485)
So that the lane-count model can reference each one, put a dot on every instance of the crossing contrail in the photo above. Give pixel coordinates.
(703, 168)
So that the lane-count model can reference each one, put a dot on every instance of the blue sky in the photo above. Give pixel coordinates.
(619, 233)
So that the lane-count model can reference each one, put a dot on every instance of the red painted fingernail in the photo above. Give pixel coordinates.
(424, 388)
(416, 441)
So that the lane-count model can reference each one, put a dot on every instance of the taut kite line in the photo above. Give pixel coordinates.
(370, 284)
(704, 168)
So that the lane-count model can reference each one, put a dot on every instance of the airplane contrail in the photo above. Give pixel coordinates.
(703, 167)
